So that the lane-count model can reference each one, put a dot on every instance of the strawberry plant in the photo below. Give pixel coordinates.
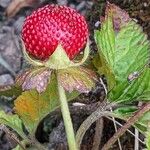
(52, 38)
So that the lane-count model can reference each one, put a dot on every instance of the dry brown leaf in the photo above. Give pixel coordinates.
(16, 5)
(34, 79)
(77, 78)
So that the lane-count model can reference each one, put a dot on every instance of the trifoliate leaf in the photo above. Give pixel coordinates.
(124, 55)
(34, 79)
(77, 78)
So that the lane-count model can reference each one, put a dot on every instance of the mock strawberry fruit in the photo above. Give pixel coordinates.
(51, 25)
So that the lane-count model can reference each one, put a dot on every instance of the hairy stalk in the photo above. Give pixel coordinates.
(89, 121)
(67, 118)
(130, 122)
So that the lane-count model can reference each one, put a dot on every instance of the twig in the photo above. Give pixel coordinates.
(136, 142)
(98, 134)
(89, 121)
(130, 122)
(12, 136)
(127, 130)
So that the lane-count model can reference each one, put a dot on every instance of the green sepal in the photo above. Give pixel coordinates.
(58, 60)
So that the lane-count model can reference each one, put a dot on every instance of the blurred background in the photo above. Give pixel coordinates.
(12, 16)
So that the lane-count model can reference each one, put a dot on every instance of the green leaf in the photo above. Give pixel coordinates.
(58, 59)
(125, 111)
(13, 121)
(79, 79)
(124, 54)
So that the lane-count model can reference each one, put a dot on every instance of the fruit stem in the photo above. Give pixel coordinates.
(67, 118)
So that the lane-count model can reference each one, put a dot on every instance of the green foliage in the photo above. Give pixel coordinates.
(123, 58)
(13, 121)
(124, 55)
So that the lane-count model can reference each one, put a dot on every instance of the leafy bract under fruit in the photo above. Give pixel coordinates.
(37, 78)
(33, 106)
(77, 78)
(123, 56)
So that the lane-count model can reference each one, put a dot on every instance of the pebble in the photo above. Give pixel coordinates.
(62, 2)
(6, 79)
(4, 3)
(18, 24)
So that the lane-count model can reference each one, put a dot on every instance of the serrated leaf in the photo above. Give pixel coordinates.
(124, 52)
(125, 111)
(37, 78)
(77, 78)
(13, 121)
(32, 106)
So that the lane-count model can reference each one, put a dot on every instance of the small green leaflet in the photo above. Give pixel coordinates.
(124, 51)
(13, 121)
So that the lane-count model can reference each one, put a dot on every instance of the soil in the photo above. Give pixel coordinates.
(10, 52)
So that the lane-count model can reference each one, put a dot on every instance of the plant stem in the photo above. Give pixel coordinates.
(67, 118)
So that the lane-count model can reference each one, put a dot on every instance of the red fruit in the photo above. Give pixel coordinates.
(51, 25)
